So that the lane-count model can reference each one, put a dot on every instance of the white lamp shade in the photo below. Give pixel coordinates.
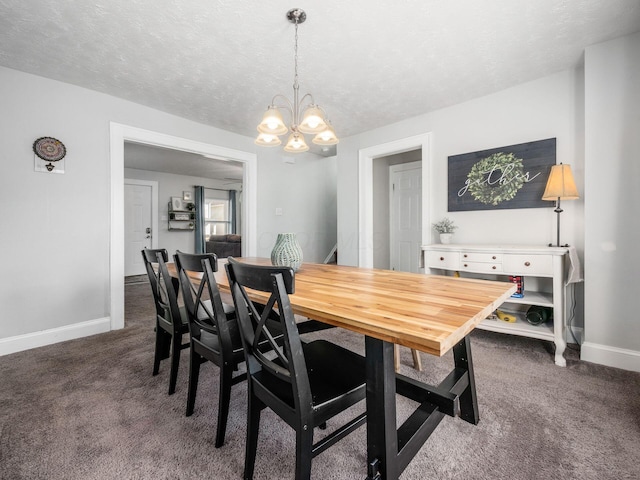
(560, 184)
(312, 120)
(296, 144)
(272, 122)
(326, 137)
(268, 140)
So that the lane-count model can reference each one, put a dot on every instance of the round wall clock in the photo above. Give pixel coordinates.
(50, 150)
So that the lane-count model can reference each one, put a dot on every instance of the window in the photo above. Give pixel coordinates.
(216, 213)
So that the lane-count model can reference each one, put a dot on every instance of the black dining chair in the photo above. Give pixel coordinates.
(305, 384)
(213, 332)
(171, 320)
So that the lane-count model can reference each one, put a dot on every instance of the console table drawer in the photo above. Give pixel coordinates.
(445, 260)
(480, 257)
(529, 264)
(480, 267)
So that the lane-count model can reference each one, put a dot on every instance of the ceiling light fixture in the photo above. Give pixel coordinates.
(306, 116)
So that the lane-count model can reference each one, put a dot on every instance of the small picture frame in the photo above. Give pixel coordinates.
(187, 196)
(176, 203)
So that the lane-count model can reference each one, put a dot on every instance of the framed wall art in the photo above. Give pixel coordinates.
(514, 176)
(49, 155)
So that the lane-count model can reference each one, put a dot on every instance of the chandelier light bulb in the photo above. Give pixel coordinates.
(268, 140)
(326, 137)
(296, 144)
(312, 121)
(272, 122)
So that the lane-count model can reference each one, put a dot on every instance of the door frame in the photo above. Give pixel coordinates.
(392, 232)
(120, 133)
(365, 189)
(154, 205)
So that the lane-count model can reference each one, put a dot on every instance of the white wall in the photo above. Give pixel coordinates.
(306, 193)
(612, 203)
(536, 110)
(55, 233)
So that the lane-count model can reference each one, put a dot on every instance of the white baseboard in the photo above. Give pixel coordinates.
(54, 335)
(610, 356)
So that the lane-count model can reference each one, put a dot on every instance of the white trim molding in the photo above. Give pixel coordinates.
(365, 189)
(118, 135)
(610, 356)
(28, 341)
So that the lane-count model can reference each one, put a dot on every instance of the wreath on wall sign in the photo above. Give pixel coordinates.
(496, 179)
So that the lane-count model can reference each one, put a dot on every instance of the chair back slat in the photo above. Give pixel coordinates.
(202, 299)
(162, 286)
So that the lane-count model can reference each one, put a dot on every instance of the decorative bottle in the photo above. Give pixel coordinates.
(287, 252)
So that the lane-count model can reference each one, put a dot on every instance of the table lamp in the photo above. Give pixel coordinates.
(560, 186)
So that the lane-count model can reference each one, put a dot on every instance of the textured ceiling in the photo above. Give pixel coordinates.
(369, 63)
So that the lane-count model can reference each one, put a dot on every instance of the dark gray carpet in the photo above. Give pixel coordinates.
(90, 409)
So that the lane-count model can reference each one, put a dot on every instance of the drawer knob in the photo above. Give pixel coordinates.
(494, 267)
(493, 258)
(527, 264)
(465, 255)
(441, 259)
(466, 265)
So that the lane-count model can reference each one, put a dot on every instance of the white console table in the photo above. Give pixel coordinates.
(531, 262)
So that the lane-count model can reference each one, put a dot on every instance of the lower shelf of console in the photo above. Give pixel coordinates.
(522, 328)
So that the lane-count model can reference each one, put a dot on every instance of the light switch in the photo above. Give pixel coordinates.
(278, 211)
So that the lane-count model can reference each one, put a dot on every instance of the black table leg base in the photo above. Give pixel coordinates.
(390, 452)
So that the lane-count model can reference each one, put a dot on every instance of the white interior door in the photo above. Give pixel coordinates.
(137, 226)
(405, 216)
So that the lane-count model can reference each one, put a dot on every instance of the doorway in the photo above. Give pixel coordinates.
(118, 135)
(367, 240)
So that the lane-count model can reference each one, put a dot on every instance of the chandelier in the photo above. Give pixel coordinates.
(306, 116)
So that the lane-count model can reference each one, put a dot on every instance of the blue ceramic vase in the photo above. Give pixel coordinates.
(287, 252)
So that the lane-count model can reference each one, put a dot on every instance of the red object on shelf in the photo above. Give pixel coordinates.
(519, 281)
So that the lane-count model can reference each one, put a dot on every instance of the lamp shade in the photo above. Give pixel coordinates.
(296, 143)
(560, 184)
(272, 122)
(326, 137)
(268, 140)
(312, 120)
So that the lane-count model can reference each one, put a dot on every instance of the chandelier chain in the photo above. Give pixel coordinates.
(295, 59)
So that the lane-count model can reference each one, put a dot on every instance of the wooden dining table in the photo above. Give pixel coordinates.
(430, 313)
